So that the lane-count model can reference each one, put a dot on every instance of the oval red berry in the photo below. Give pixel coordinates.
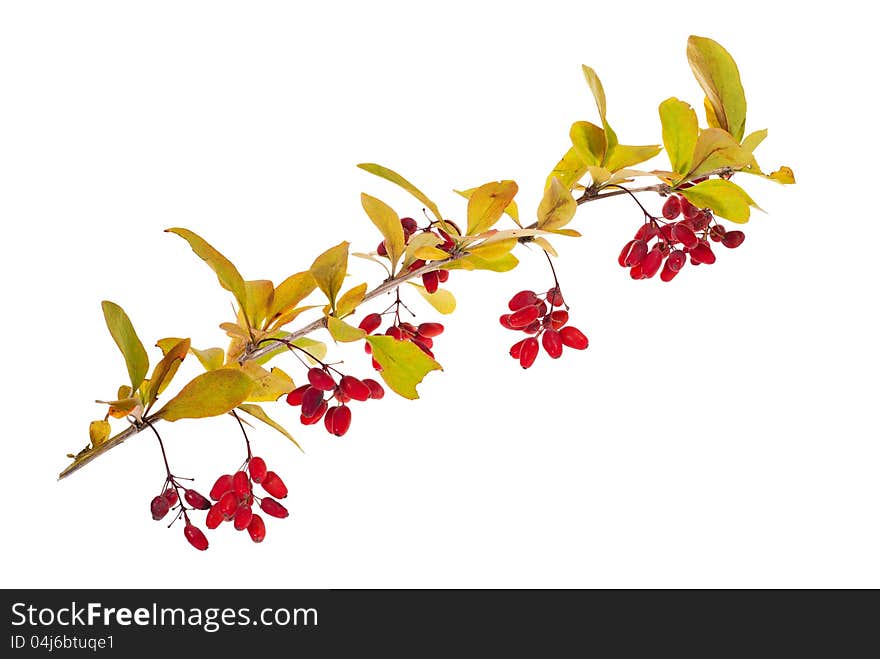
(572, 337)
(257, 469)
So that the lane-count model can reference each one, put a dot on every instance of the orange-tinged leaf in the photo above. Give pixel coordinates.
(209, 394)
(487, 204)
(136, 360)
(165, 371)
(388, 223)
(329, 271)
(718, 75)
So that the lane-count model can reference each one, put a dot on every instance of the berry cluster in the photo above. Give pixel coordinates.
(430, 280)
(163, 503)
(675, 241)
(314, 407)
(421, 335)
(536, 316)
(234, 497)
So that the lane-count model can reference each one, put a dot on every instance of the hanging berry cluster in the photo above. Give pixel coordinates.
(697, 193)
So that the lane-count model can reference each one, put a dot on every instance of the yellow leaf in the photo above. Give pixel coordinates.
(417, 242)
(599, 175)
(512, 210)
(99, 431)
(268, 385)
(290, 293)
(342, 331)
(209, 394)
(403, 364)
(442, 300)
(227, 274)
(544, 244)
(430, 254)
(589, 142)
(211, 359)
(165, 371)
(397, 179)
(718, 75)
(136, 360)
(259, 294)
(680, 132)
(725, 198)
(571, 233)
(491, 250)
(569, 170)
(753, 140)
(329, 271)
(121, 408)
(234, 331)
(782, 175)
(349, 300)
(388, 223)
(599, 96)
(290, 316)
(504, 263)
(716, 149)
(557, 208)
(258, 413)
(487, 204)
(622, 155)
(165, 345)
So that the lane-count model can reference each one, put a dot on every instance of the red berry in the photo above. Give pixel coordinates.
(311, 401)
(424, 348)
(426, 341)
(702, 253)
(574, 338)
(505, 321)
(159, 507)
(338, 420)
(636, 272)
(243, 518)
(311, 420)
(666, 233)
(195, 537)
(396, 332)
(558, 318)
(443, 275)
(701, 221)
(273, 484)
(522, 299)
(295, 397)
(221, 487)
(528, 352)
(676, 260)
(196, 500)
(688, 209)
(341, 396)
(321, 379)
(272, 507)
(685, 235)
(667, 273)
(651, 263)
(171, 496)
(717, 232)
(377, 366)
(256, 528)
(431, 281)
(672, 208)
(376, 390)
(516, 349)
(415, 265)
(381, 250)
(228, 504)
(257, 469)
(371, 323)
(552, 342)
(647, 231)
(241, 484)
(409, 224)
(733, 239)
(430, 329)
(523, 317)
(633, 253)
(354, 388)
(554, 297)
(215, 517)
(532, 328)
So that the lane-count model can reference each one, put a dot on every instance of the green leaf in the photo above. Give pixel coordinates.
(589, 142)
(136, 360)
(718, 75)
(442, 300)
(329, 271)
(504, 263)
(680, 132)
(268, 385)
(397, 179)
(165, 371)
(209, 394)
(557, 208)
(342, 331)
(726, 199)
(403, 364)
(290, 293)
(511, 210)
(487, 204)
(211, 358)
(227, 274)
(258, 413)
(388, 223)
(349, 300)
(571, 169)
(259, 293)
(99, 431)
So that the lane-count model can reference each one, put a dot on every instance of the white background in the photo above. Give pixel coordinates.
(720, 431)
